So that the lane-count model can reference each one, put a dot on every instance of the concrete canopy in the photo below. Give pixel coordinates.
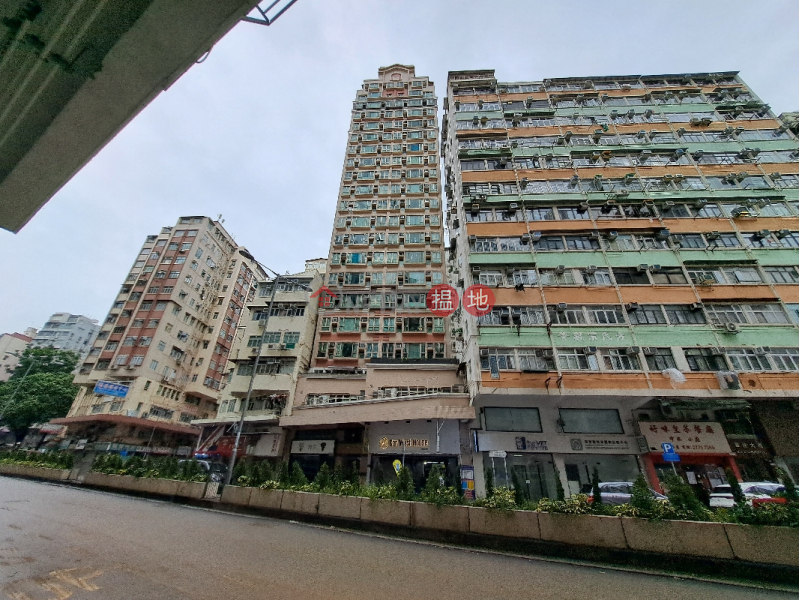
(73, 73)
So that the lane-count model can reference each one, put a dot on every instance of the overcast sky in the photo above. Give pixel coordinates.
(258, 131)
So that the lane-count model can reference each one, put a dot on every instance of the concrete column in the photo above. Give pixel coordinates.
(479, 476)
(560, 464)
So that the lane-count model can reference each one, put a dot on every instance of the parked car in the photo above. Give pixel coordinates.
(216, 470)
(755, 492)
(619, 492)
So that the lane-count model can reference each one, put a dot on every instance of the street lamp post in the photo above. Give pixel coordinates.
(246, 402)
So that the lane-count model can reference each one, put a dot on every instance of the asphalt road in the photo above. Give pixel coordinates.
(58, 542)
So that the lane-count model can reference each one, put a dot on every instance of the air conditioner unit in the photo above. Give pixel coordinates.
(716, 351)
(526, 238)
(643, 268)
(612, 235)
(130, 367)
(548, 353)
(113, 367)
(713, 235)
(535, 236)
(631, 306)
(472, 238)
(655, 269)
(594, 235)
(560, 269)
(475, 269)
(663, 234)
(783, 233)
(590, 350)
(475, 207)
(697, 306)
(762, 350)
(512, 207)
(591, 269)
(483, 351)
(281, 346)
(632, 350)
(648, 351)
(731, 328)
(763, 233)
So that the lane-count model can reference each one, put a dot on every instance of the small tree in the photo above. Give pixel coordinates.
(323, 480)
(682, 497)
(433, 483)
(641, 497)
(595, 489)
(737, 492)
(297, 477)
(519, 490)
(404, 484)
(489, 475)
(790, 487)
(284, 475)
(338, 475)
(559, 491)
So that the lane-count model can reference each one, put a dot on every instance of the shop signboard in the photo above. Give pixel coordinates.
(109, 388)
(467, 481)
(269, 444)
(686, 437)
(312, 446)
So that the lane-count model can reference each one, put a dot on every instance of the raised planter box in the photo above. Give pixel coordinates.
(775, 545)
(443, 518)
(266, 498)
(36, 472)
(689, 538)
(300, 502)
(343, 507)
(235, 494)
(147, 485)
(393, 512)
(583, 530)
(505, 523)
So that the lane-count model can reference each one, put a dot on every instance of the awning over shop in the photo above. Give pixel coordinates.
(381, 410)
(123, 420)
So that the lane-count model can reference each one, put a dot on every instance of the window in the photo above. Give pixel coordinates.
(630, 276)
(781, 274)
(576, 359)
(154, 365)
(512, 419)
(786, 359)
(647, 314)
(578, 420)
(669, 276)
(658, 359)
(704, 359)
(684, 314)
(618, 359)
(571, 315)
(503, 358)
(746, 359)
(605, 315)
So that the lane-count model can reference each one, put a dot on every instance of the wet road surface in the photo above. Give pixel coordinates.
(58, 542)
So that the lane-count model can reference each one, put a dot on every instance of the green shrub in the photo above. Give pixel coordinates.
(595, 489)
(404, 484)
(737, 492)
(559, 491)
(790, 487)
(489, 477)
(297, 479)
(323, 480)
(682, 500)
(642, 499)
(500, 498)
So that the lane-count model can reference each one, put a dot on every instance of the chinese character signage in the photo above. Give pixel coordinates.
(109, 388)
(701, 437)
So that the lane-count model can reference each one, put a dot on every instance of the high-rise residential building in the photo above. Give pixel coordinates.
(64, 331)
(639, 239)
(382, 384)
(284, 355)
(164, 346)
(12, 345)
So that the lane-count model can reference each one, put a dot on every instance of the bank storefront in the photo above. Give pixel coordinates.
(515, 445)
(419, 445)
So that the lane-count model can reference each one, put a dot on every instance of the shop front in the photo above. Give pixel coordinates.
(535, 461)
(703, 450)
(343, 446)
(419, 445)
